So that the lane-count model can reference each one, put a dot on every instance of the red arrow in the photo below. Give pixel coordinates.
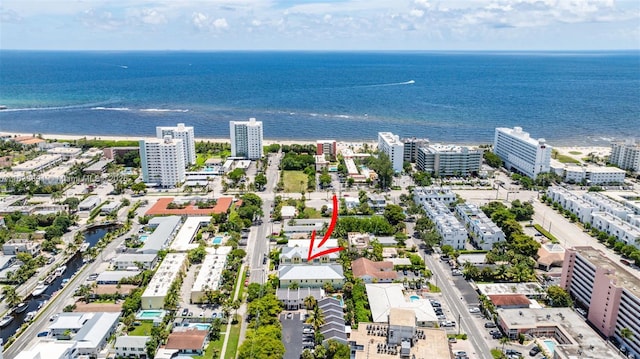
(332, 225)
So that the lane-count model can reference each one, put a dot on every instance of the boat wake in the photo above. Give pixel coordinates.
(100, 108)
(410, 82)
(162, 110)
(54, 108)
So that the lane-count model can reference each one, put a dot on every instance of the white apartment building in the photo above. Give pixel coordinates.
(153, 296)
(162, 161)
(521, 152)
(614, 226)
(390, 144)
(448, 160)
(422, 195)
(246, 139)
(601, 212)
(38, 164)
(208, 278)
(572, 202)
(184, 133)
(590, 175)
(131, 346)
(483, 232)
(626, 155)
(450, 229)
(411, 147)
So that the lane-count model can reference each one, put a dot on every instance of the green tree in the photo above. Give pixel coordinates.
(11, 297)
(383, 167)
(236, 175)
(260, 180)
(558, 297)
(394, 214)
(139, 187)
(492, 159)
(316, 318)
(325, 179)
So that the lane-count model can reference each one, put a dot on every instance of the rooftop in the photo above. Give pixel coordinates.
(503, 300)
(381, 270)
(160, 208)
(165, 275)
(127, 341)
(295, 272)
(618, 274)
(528, 288)
(165, 227)
(434, 346)
(187, 339)
(183, 240)
(567, 321)
(402, 317)
(384, 296)
(210, 272)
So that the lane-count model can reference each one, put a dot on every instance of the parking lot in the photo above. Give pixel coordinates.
(292, 334)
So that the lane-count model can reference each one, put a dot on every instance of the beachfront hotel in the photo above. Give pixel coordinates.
(449, 160)
(390, 144)
(162, 161)
(246, 139)
(522, 153)
(184, 133)
(626, 155)
(609, 292)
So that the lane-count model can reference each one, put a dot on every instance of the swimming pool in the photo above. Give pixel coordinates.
(414, 298)
(200, 326)
(150, 314)
(143, 237)
(551, 345)
(217, 240)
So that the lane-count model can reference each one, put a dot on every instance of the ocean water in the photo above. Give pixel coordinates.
(460, 97)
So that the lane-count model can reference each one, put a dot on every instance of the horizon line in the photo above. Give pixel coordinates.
(325, 50)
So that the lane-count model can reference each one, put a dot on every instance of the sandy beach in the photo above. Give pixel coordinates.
(577, 152)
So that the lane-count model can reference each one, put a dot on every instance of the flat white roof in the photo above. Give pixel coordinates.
(46, 349)
(210, 272)
(182, 242)
(165, 275)
(115, 275)
(288, 211)
(384, 296)
(37, 163)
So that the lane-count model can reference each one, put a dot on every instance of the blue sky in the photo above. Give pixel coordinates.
(320, 25)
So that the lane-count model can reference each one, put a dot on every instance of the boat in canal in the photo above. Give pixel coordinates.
(40, 288)
(21, 307)
(30, 316)
(6, 320)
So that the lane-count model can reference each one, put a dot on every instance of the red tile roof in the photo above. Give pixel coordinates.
(160, 208)
(191, 339)
(510, 300)
(380, 270)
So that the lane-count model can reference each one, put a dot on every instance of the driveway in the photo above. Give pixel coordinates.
(292, 335)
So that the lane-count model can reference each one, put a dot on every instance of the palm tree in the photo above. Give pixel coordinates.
(316, 318)
(11, 296)
(626, 333)
(85, 292)
(310, 302)
(235, 305)
(503, 341)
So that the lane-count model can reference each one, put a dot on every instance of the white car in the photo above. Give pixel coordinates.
(474, 310)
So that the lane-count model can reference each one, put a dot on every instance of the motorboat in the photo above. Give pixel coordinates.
(30, 316)
(84, 246)
(39, 289)
(21, 307)
(58, 272)
(6, 320)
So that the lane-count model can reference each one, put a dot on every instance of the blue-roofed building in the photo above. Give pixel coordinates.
(164, 232)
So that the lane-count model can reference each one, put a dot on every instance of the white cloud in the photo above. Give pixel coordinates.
(220, 24)
(416, 13)
(153, 17)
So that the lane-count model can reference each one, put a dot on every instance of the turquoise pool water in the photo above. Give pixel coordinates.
(551, 345)
(217, 240)
(200, 326)
(414, 298)
(150, 314)
(143, 237)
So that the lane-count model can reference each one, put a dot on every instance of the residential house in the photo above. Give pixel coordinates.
(315, 276)
(373, 272)
(131, 346)
(188, 341)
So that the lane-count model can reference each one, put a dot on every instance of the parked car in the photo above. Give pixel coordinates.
(512, 352)
(185, 311)
(307, 331)
(474, 310)
(489, 325)
(289, 315)
(534, 351)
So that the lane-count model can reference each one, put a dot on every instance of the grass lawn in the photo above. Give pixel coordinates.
(575, 153)
(213, 347)
(566, 159)
(142, 330)
(312, 213)
(546, 233)
(201, 158)
(241, 284)
(294, 181)
(232, 344)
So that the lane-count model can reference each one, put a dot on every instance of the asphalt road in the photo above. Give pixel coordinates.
(58, 304)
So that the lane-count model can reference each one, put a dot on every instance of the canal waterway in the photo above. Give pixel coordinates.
(73, 265)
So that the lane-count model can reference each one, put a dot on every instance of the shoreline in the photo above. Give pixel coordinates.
(565, 150)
